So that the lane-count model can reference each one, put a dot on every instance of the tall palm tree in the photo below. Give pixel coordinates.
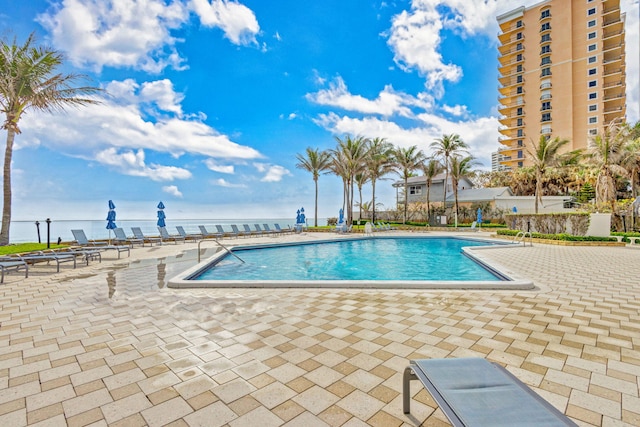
(607, 153)
(445, 147)
(29, 80)
(315, 162)
(460, 169)
(543, 156)
(430, 169)
(407, 160)
(348, 161)
(379, 161)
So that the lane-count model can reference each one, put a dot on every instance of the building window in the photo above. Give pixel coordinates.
(519, 36)
(545, 38)
(519, 68)
(593, 120)
(545, 60)
(546, 71)
(519, 57)
(593, 83)
(593, 95)
(546, 26)
(591, 35)
(545, 94)
(415, 189)
(519, 46)
(546, 117)
(591, 11)
(593, 132)
(519, 154)
(520, 133)
(545, 49)
(520, 121)
(520, 143)
(592, 71)
(545, 13)
(592, 47)
(592, 59)
(546, 105)
(593, 107)
(518, 24)
(520, 164)
(519, 79)
(591, 23)
(519, 90)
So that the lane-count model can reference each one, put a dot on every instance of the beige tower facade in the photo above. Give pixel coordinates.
(562, 73)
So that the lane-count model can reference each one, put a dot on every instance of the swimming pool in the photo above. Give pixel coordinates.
(380, 262)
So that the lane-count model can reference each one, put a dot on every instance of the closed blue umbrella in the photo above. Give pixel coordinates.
(303, 219)
(111, 218)
(479, 217)
(341, 216)
(161, 215)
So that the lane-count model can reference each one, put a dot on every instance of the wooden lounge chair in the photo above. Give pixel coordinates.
(137, 232)
(16, 265)
(475, 392)
(188, 236)
(164, 235)
(82, 240)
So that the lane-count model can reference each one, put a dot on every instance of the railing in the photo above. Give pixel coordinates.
(219, 244)
(522, 236)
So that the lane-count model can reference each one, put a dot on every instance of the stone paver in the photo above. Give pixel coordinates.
(110, 344)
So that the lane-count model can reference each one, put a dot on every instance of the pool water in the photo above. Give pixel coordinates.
(409, 259)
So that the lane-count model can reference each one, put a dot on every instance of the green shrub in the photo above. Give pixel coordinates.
(560, 236)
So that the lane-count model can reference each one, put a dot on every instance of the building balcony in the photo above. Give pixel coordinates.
(509, 50)
(613, 97)
(613, 84)
(506, 118)
(614, 67)
(611, 9)
(616, 111)
(507, 30)
(546, 85)
(612, 23)
(545, 131)
(611, 47)
(508, 131)
(614, 33)
(545, 97)
(503, 109)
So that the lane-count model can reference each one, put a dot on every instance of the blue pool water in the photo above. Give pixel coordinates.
(409, 259)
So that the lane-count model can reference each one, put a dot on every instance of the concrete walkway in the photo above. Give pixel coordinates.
(110, 344)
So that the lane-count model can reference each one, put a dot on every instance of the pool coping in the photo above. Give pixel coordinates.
(510, 280)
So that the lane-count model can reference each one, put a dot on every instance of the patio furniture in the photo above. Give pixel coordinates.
(208, 235)
(82, 240)
(137, 232)
(121, 238)
(475, 392)
(16, 265)
(164, 235)
(188, 236)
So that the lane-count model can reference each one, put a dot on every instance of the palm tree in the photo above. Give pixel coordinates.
(315, 162)
(430, 169)
(29, 80)
(460, 169)
(379, 161)
(607, 153)
(407, 160)
(445, 147)
(544, 155)
(348, 161)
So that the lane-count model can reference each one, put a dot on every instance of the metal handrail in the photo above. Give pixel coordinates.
(222, 246)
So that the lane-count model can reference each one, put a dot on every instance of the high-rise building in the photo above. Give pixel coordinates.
(562, 73)
(497, 160)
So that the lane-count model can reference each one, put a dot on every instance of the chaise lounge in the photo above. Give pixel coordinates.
(475, 392)
(137, 232)
(81, 239)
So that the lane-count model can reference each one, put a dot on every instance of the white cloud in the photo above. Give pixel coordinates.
(388, 102)
(220, 182)
(238, 22)
(129, 162)
(118, 33)
(172, 190)
(456, 110)
(216, 167)
(272, 173)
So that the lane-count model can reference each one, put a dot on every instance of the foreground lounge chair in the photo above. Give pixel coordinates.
(82, 240)
(7, 265)
(57, 257)
(208, 235)
(137, 232)
(164, 235)
(188, 236)
(476, 392)
(122, 239)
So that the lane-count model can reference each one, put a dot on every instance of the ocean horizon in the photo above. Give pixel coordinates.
(27, 231)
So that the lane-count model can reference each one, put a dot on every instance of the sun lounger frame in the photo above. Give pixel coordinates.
(17, 265)
(479, 368)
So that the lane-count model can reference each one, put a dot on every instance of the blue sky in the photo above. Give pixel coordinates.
(207, 102)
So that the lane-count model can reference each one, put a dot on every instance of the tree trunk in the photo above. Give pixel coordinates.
(6, 200)
(315, 215)
(373, 202)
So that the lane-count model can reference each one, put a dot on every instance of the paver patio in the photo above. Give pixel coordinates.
(110, 344)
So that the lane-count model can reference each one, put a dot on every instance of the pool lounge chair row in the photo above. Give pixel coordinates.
(19, 262)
